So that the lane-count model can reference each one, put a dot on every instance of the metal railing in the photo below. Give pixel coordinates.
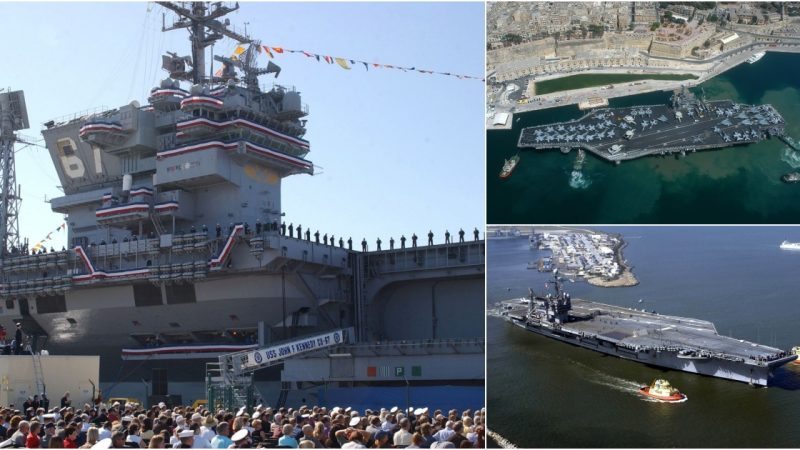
(461, 254)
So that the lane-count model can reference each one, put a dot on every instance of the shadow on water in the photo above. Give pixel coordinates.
(786, 378)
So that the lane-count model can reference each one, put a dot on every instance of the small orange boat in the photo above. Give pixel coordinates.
(662, 390)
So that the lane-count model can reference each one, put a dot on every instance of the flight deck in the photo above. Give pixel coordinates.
(681, 343)
(688, 124)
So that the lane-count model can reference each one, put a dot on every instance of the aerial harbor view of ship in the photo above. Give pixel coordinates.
(712, 301)
(653, 83)
(186, 256)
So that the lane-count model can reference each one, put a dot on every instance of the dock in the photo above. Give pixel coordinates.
(592, 102)
(500, 121)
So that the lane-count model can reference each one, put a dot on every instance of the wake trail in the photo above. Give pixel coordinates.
(501, 441)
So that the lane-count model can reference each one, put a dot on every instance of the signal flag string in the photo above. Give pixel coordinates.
(348, 64)
(39, 245)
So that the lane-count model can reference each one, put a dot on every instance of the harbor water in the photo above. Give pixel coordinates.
(544, 393)
(730, 185)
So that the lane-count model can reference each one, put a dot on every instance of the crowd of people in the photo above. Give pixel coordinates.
(160, 426)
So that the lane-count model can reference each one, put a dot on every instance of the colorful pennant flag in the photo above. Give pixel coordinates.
(49, 237)
(346, 63)
(343, 63)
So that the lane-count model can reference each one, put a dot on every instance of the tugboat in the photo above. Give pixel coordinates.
(662, 390)
(792, 177)
(508, 167)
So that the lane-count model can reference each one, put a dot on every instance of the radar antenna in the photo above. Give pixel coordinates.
(200, 18)
(246, 62)
(13, 117)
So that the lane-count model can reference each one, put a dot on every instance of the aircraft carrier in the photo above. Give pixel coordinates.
(678, 343)
(179, 254)
(688, 124)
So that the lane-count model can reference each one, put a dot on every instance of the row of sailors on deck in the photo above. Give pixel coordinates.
(771, 357)
(23, 250)
(364, 247)
(273, 227)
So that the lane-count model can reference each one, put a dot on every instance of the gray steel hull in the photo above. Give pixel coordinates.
(730, 370)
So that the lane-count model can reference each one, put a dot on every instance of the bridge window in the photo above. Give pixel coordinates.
(72, 321)
(174, 324)
(9, 304)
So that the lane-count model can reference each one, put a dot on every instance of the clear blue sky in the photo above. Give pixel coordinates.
(396, 152)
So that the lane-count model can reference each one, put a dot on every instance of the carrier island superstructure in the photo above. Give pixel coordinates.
(178, 253)
(679, 343)
(687, 124)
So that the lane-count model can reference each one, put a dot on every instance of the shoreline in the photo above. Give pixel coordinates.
(625, 89)
(625, 278)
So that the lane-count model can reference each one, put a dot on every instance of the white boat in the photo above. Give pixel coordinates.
(786, 245)
(756, 57)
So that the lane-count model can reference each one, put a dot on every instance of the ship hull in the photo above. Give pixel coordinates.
(729, 370)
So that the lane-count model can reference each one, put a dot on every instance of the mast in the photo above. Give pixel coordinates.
(200, 19)
(13, 117)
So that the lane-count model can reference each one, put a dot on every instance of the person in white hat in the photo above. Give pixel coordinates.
(186, 438)
(240, 439)
(102, 444)
(207, 430)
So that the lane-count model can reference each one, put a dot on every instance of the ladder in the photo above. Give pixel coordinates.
(360, 296)
(38, 374)
(157, 223)
(284, 395)
(225, 390)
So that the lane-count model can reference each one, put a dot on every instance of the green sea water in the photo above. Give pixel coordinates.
(737, 185)
(602, 79)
